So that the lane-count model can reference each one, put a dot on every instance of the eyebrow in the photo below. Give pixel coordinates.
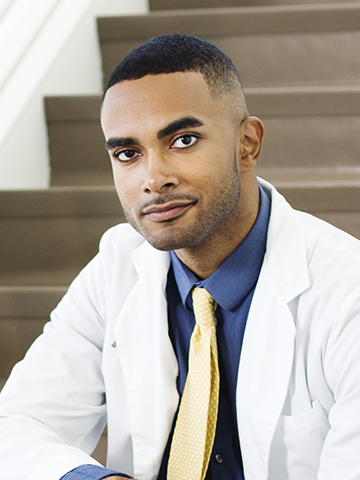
(173, 127)
(115, 142)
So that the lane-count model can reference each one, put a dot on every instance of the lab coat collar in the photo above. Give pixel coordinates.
(286, 246)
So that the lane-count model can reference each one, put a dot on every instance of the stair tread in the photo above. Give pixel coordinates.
(328, 116)
(291, 100)
(159, 5)
(269, 45)
(77, 200)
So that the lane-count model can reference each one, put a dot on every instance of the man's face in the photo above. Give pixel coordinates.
(174, 151)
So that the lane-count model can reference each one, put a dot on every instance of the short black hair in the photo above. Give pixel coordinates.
(179, 53)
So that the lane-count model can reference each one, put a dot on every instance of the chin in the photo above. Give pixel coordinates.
(170, 236)
(164, 244)
(168, 239)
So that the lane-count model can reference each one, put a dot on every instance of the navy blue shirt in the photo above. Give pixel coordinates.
(232, 286)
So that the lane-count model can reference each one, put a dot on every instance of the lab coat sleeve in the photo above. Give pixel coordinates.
(340, 455)
(52, 409)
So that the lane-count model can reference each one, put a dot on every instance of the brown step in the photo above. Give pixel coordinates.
(337, 202)
(50, 244)
(77, 145)
(310, 133)
(23, 313)
(25, 309)
(271, 46)
(47, 236)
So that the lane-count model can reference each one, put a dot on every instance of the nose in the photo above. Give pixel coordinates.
(159, 175)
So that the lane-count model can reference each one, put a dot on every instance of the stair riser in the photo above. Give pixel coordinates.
(311, 142)
(276, 50)
(49, 251)
(287, 59)
(52, 250)
(306, 141)
(78, 156)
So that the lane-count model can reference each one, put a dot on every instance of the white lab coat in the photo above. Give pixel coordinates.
(106, 354)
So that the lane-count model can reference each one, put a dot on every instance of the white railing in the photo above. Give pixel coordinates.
(4, 5)
(39, 40)
(19, 26)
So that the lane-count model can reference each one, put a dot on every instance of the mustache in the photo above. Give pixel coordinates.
(166, 198)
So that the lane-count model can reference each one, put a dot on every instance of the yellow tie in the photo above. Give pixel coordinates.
(195, 426)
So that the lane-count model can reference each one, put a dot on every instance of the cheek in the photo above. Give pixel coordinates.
(201, 170)
(126, 187)
(215, 169)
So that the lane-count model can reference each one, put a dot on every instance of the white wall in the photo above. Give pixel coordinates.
(58, 54)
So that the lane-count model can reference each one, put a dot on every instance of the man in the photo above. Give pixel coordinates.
(287, 287)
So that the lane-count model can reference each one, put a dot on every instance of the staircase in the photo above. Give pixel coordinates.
(300, 66)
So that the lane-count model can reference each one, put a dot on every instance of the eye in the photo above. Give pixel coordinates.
(185, 141)
(126, 155)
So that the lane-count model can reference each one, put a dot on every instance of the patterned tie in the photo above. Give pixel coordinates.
(195, 426)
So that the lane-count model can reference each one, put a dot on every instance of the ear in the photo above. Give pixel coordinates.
(251, 134)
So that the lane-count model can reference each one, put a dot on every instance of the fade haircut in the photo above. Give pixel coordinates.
(182, 53)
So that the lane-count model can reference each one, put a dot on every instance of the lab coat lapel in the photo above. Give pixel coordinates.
(264, 373)
(148, 361)
(268, 347)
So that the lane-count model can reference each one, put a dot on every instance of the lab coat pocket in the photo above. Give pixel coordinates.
(304, 420)
(297, 445)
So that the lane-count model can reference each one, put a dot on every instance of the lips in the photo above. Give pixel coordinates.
(167, 211)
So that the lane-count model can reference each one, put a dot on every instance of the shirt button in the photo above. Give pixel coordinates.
(219, 458)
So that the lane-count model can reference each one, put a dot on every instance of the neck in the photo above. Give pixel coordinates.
(205, 258)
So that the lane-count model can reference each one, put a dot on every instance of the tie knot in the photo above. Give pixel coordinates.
(204, 306)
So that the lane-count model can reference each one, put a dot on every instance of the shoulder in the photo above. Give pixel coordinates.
(307, 254)
(332, 254)
(333, 261)
(326, 230)
(291, 223)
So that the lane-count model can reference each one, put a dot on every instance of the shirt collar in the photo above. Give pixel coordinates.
(237, 276)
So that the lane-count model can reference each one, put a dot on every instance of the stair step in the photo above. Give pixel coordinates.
(271, 46)
(307, 131)
(185, 4)
(23, 313)
(47, 236)
(45, 242)
(336, 202)
(26, 302)
(25, 309)
(77, 145)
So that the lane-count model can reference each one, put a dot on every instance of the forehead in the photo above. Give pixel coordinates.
(155, 100)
